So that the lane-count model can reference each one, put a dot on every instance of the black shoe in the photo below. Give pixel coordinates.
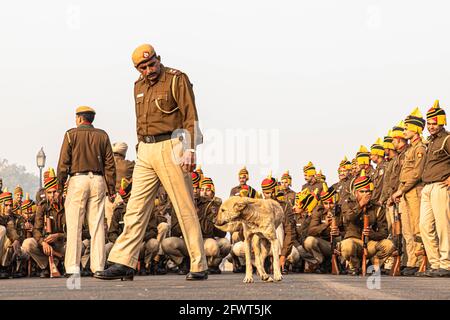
(160, 268)
(116, 271)
(438, 273)
(353, 272)
(409, 271)
(426, 273)
(214, 270)
(86, 273)
(4, 274)
(239, 269)
(44, 273)
(203, 275)
(184, 267)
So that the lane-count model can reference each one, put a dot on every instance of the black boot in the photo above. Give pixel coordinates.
(160, 267)
(214, 270)
(44, 273)
(4, 274)
(184, 267)
(116, 271)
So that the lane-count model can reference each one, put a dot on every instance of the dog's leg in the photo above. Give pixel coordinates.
(248, 258)
(276, 260)
(259, 258)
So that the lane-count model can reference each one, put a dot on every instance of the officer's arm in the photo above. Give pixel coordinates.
(418, 169)
(186, 102)
(381, 231)
(110, 168)
(316, 226)
(65, 160)
(38, 225)
(11, 231)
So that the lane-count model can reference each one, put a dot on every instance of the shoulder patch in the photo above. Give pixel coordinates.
(173, 71)
(420, 155)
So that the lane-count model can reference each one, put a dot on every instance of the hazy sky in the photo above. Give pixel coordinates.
(294, 80)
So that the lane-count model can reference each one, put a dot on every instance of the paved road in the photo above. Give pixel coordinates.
(229, 286)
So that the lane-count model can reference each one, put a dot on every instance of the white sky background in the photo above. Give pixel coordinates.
(327, 76)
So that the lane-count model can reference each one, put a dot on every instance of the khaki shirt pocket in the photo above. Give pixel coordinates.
(164, 104)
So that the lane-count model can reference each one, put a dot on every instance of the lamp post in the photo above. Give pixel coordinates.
(40, 161)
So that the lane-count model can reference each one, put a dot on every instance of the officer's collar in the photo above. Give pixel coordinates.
(85, 125)
(439, 134)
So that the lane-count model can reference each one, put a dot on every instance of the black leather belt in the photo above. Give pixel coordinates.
(159, 138)
(86, 173)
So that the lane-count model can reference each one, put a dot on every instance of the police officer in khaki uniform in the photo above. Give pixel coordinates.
(410, 188)
(243, 176)
(309, 172)
(377, 157)
(286, 183)
(86, 156)
(435, 201)
(165, 108)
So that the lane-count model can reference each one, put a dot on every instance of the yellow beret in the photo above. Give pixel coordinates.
(142, 53)
(85, 109)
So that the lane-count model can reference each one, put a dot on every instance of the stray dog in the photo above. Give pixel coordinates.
(259, 217)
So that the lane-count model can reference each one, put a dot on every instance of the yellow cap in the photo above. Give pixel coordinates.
(142, 53)
(84, 109)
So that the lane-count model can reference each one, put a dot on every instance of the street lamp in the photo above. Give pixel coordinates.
(40, 161)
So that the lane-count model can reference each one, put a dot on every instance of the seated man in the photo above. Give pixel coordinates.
(215, 244)
(379, 247)
(49, 228)
(156, 229)
(306, 203)
(9, 237)
(318, 242)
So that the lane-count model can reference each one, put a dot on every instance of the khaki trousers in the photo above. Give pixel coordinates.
(5, 248)
(435, 224)
(298, 253)
(156, 163)
(215, 250)
(352, 250)
(34, 250)
(318, 248)
(85, 197)
(410, 215)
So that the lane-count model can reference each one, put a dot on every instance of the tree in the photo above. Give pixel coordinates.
(13, 175)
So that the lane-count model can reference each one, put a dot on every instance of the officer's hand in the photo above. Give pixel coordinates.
(396, 196)
(334, 231)
(188, 161)
(364, 200)
(367, 232)
(51, 238)
(28, 226)
(16, 246)
(47, 249)
(447, 182)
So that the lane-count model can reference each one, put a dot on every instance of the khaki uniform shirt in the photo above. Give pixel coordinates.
(353, 219)
(124, 169)
(437, 159)
(386, 191)
(411, 172)
(86, 149)
(207, 212)
(378, 178)
(56, 216)
(166, 105)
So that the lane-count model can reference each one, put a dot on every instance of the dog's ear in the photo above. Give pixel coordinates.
(241, 205)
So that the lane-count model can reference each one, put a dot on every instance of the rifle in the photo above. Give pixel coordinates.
(54, 273)
(397, 231)
(365, 240)
(334, 264)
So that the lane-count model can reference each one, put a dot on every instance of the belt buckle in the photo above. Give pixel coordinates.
(150, 139)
